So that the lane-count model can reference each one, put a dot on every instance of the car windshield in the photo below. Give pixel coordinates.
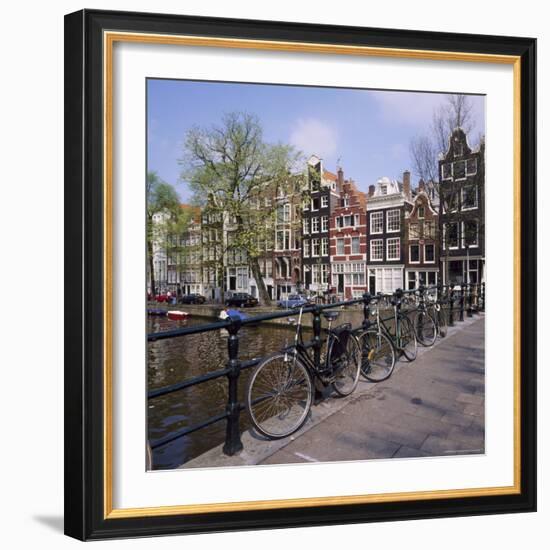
(294, 297)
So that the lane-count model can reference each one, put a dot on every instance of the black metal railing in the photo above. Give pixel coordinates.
(473, 295)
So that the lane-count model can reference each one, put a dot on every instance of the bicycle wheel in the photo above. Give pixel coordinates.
(344, 359)
(442, 322)
(426, 331)
(407, 339)
(377, 356)
(279, 396)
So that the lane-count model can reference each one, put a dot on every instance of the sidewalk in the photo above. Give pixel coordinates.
(431, 407)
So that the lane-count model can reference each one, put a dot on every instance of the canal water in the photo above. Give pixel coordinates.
(176, 359)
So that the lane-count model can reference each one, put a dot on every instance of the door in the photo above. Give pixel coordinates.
(340, 283)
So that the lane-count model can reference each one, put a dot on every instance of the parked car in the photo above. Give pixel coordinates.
(161, 298)
(293, 300)
(242, 299)
(192, 299)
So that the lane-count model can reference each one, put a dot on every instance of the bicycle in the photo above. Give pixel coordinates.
(380, 345)
(424, 323)
(438, 313)
(280, 391)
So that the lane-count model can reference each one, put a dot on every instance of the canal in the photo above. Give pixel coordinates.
(176, 359)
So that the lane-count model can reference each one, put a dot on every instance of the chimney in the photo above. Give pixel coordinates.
(371, 190)
(407, 184)
(340, 177)
(421, 185)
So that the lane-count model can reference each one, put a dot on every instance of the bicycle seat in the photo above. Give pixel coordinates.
(331, 315)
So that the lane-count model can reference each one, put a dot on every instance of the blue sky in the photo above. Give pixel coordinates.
(368, 130)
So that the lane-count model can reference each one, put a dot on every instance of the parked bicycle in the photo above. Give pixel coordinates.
(435, 303)
(383, 340)
(280, 390)
(424, 322)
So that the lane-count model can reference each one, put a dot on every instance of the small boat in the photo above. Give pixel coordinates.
(159, 312)
(177, 315)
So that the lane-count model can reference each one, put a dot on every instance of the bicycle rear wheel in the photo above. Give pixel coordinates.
(279, 396)
(377, 356)
(346, 363)
(407, 338)
(425, 328)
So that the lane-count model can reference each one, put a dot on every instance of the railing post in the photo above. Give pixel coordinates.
(482, 298)
(233, 443)
(317, 336)
(451, 306)
(366, 310)
(462, 295)
(469, 300)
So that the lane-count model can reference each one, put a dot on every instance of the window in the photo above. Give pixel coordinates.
(414, 230)
(315, 204)
(429, 230)
(338, 222)
(356, 220)
(450, 235)
(429, 253)
(306, 204)
(324, 273)
(339, 246)
(420, 212)
(469, 197)
(470, 233)
(414, 253)
(472, 271)
(305, 226)
(377, 222)
(286, 212)
(355, 245)
(393, 251)
(324, 247)
(314, 247)
(283, 239)
(459, 169)
(383, 189)
(446, 171)
(451, 202)
(345, 201)
(471, 167)
(324, 224)
(459, 149)
(305, 248)
(432, 278)
(393, 221)
(324, 201)
(315, 225)
(377, 250)
(347, 221)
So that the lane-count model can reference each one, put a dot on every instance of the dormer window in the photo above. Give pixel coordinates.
(383, 189)
(459, 149)
(420, 212)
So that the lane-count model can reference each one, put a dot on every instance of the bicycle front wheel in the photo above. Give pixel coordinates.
(407, 338)
(345, 361)
(279, 396)
(426, 331)
(377, 356)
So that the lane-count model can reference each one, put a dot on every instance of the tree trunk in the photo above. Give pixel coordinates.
(151, 267)
(263, 295)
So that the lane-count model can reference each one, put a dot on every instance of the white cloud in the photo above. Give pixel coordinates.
(312, 136)
(408, 108)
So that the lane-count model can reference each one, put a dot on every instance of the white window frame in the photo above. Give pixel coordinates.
(475, 187)
(324, 246)
(315, 244)
(380, 243)
(305, 248)
(450, 176)
(315, 224)
(445, 236)
(378, 218)
(305, 226)
(474, 159)
(388, 243)
(340, 240)
(411, 237)
(324, 201)
(388, 216)
(463, 236)
(358, 240)
(456, 162)
(410, 254)
(423, 210)
(324, 224)
(424, 253)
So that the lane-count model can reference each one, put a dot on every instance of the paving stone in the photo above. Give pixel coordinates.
(456, 418)
(470, 398)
